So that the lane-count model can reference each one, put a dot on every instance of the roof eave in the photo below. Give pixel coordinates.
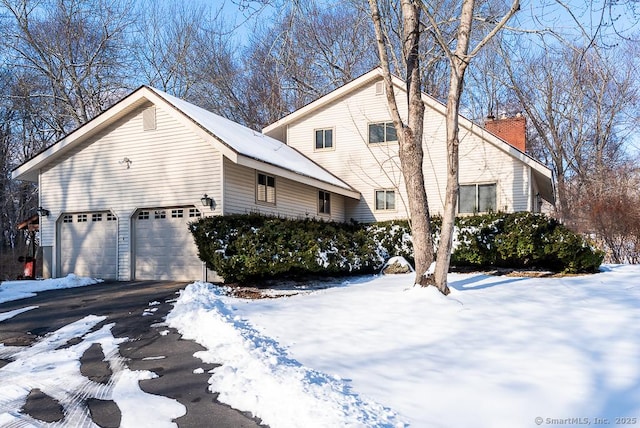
(253, 163)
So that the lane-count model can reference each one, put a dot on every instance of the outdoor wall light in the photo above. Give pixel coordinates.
(43, 212)
(206, 201)
(126, 161)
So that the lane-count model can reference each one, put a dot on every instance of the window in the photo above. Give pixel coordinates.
(96, 217)
(143, 215)
(385, 200)
(382, 132)
(266, 189)
(160, 214)
(324, 202)
(477, 198)
(111, 217)
(177, 213)
(82, 218)
(67, 218)
(324, 139)
(194, 212)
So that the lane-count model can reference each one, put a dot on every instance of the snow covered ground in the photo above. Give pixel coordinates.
(16, 290)
(371, 351)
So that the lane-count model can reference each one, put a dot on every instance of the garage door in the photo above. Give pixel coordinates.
(87, 243)
(164, 246)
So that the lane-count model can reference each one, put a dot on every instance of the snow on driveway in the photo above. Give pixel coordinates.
(52, 365)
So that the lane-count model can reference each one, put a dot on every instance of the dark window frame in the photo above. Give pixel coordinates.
(267, 182)
(322, 133)
(324, 202)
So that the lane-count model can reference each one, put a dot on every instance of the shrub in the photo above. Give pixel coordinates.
(252, 247)
(523, 240)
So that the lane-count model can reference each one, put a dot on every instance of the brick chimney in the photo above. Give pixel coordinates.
(510, 129)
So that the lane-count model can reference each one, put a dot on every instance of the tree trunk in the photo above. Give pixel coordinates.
(411, 151)
(459, 62)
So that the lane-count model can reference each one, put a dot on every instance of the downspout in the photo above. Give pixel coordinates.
(530, 203)
(117, 245)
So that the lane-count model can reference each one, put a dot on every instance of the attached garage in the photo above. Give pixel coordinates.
(164, 246)
(117, 194)
(87, 244)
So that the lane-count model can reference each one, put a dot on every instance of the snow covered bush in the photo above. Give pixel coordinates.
(252, 247)
(522, 240)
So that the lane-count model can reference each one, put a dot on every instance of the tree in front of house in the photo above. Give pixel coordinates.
(419, 17)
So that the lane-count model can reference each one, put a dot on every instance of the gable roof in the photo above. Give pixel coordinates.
(238, 143)
(542, 175)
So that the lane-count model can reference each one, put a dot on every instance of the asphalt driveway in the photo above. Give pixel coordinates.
(138, 310)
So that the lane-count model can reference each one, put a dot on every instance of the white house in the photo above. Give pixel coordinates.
(349, 132)
(117, 193)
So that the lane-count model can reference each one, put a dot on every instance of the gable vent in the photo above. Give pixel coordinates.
(149, 119)
(379, 88)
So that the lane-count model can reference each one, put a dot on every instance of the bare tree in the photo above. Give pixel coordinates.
(76, 48)
(307, 51)
(410, 133)
(168, 48)
(581, 103)
(609, 211)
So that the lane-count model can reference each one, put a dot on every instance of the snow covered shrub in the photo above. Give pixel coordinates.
(474, 240)
(252, 247)
(393, 238)
(522, 240)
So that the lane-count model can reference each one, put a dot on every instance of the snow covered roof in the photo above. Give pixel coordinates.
(253, 144)
(237, 142)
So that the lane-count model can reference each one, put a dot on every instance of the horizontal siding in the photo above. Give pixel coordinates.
(369, 167)
(293, 200)
(480, 162)
(363, 166)
(170, 166)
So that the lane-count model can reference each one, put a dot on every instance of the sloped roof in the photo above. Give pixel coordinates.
(541, 174)
(237, 142)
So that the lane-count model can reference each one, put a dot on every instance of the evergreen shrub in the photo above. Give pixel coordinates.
(252, 247)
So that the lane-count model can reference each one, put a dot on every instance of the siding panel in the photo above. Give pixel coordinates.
(368, 167)
(293, 199)
(170, 166)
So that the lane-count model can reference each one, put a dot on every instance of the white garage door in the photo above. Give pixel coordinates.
(87, 243)
(164, 246)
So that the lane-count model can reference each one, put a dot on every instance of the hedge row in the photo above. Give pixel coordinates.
(522, 240)
(248, 247)
(251, 247)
